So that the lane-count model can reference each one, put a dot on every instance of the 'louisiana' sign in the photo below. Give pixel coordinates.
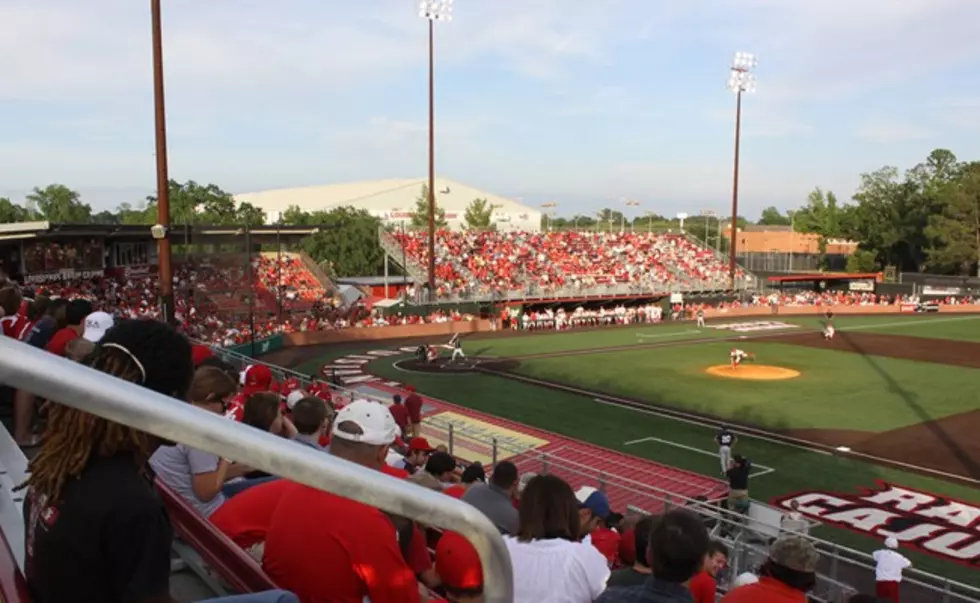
(929, 523)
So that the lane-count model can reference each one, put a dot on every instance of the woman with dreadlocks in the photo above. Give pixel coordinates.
(95, 528)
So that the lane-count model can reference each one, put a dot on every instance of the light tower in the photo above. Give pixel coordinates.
(432, 11)
(741, 80)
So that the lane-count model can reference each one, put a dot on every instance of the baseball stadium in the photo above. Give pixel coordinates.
(412, 389)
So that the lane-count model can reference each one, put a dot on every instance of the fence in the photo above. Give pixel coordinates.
(781, 261)
(70, 383)
(842, 572)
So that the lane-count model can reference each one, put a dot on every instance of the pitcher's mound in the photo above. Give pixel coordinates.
(753, 372)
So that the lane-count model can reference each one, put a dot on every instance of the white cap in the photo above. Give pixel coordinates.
(378, 427)
(891, 543)
(744, 578)
(294, 396)
(96, 324)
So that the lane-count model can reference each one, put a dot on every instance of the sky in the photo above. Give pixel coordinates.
(579, 102)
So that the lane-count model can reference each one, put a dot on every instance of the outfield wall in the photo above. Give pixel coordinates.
(758, 311)
(482, 325)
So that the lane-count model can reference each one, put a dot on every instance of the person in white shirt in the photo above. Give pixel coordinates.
(550, 564)
(889, 564)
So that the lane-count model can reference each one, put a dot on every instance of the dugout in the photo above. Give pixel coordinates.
(821, 282)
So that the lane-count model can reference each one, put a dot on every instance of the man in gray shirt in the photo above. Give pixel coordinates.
(496, 499)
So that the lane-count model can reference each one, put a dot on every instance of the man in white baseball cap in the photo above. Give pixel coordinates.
(96, 325)
(889, 564)
(363, 426)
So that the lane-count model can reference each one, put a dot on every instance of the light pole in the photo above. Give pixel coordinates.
(432, 11)
(741, 80)
(165, 278)
(548, 212)
(622, 224)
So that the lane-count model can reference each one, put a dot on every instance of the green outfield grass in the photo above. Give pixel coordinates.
(822, 397)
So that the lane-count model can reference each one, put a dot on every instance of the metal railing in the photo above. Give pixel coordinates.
(842, 569)
(54, 378)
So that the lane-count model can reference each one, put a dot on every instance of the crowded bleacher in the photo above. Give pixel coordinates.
(492, 261)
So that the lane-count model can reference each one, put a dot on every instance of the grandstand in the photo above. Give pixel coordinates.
(520, 264)
(393, 202)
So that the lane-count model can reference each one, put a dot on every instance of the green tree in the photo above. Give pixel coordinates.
(249, 215)
(479, 215)
(773, 217)
(105, 217)
(145, 214)
(956, 227)
(420, 217)
(11, 212)
(295, 216)
(59, 204)
(861, 261)
(348, 242)
(193, 203)
(610, 218)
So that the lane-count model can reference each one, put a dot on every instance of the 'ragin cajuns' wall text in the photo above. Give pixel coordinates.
(929, 523)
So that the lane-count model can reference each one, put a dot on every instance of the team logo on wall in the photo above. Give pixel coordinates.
(935, 525)
(753, 326)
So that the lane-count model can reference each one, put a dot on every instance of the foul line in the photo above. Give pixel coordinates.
(765, 470)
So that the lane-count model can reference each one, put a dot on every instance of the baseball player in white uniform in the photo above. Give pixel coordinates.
(828, 332)
(738, 356)
(457, 346)
(700, 319)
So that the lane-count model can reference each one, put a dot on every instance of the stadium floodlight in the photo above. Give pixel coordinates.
(432, 11)
(436, 10)
(741, 79)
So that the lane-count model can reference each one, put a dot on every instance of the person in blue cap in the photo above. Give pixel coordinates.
(593, 509)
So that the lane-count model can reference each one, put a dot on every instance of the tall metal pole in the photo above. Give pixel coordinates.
(279, 289)
(251, 290)
(166, 279)
(432, 162)
(734, 228)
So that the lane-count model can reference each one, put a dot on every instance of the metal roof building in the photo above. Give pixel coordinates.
(394, 201)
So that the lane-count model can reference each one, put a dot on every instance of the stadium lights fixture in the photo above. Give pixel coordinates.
(432, 11)
(741, 79)
(436, 10)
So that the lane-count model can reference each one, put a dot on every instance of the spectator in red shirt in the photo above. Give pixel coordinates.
(245, 518)
(75, 314)
(786, 577)
(459, 567)
(399, 413)
(640, 570)
(703, 586)
(413, 403)
(605, 538)
(473, 474)
(14, 324)
(327, 548)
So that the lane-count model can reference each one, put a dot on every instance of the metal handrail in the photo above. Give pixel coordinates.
(25, 367)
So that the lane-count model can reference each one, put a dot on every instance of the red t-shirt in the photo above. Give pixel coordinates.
(326, 548)
(413, 404)
(245, 517)
(400, 414)
(627, 547)
(394, 471)
(418, 557)
(766, 590)
(456, 491)
(236, 407)
(703, 587)
(606, 541)
(14, 326)
(60, 340)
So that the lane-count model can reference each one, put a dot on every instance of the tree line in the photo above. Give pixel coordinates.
(925, 219)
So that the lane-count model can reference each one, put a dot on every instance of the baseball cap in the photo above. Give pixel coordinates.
(744, 579)
(420, 445)
(257, 377)
(377, 426)
(294, 396)
(200, 353)
(96, 324)
(457, 563)
(891, 542)
(795, 553)
(593, 500)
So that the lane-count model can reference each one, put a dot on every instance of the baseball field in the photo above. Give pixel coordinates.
(889, 401)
